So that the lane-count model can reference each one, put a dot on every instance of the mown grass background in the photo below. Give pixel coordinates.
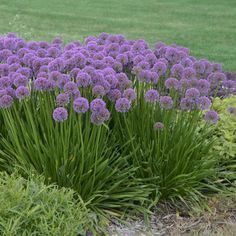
(207, 27)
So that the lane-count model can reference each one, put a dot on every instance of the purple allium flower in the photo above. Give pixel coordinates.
(11, 35)
(187, 104)
(145, 76)
(123, 59)
(4, 69)
(57, 41)
(44, 45)
(70, 87)
(151, 96)
(160, 68)
(203, 103)
(6, 101)
(219, 77)
(98, 91)
(114, 94)
(172, 83)
(203, 86)
(4, 54)
(216, 78)
(100, 117)
(229, 84)
(199, 67)
(122, 105)
(97, 104)
(76, 94)
(108, 60)
(14, 67)
(130, 94)
(144, 65)
(193, 83)
(166, 102)
(159, 45)
(25, 71)
(83, 79)
(9, 43)
(5, 82)
(184, 84)
(211, 116)
(63, 80)
(158, 126)
(62, 99)
(81, 105)
(171, 55)
(188, 73)
(56, 65)
(41, 53)
(20, 80)
(112, 80)
(187, 62)
(32, 45)
(55, 76)
(22, 92)
(103, 36)
(232, 110)
(43, 68)
(208, 66)
(123, 81)
(105, 85)
(60, 114)
(12, 60)
(177, 70)
(151, 59)
(9, 91)
(74, 72)
(192, 93)
(3, 92)
(40, 83)
(53, 52)
(50, 85)
(154, 78)
(117, 66)
(137, 59)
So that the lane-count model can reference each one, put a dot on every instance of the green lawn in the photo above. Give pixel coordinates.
(207, 27)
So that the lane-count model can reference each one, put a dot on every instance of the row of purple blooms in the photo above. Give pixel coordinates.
(100, 64)
(100, 113)
(100, 60)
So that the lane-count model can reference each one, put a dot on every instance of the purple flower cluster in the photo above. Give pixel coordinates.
(211, 116)
(158, 126)
(106, 69)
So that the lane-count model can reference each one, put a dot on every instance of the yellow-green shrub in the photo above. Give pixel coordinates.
(225, 134)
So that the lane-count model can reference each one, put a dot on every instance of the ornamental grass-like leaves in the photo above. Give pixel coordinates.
(72, 154)
(170, 149)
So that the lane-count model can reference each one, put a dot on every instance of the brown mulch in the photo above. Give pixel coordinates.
(219, 220)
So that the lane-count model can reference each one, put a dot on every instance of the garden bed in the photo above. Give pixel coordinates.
(124, 125)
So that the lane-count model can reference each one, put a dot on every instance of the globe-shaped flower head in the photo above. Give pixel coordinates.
(81, 105)
(60, 114)
(151, 96)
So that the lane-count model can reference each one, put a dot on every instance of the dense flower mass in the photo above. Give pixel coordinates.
(106, 70)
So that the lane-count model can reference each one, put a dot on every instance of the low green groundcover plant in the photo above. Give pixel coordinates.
(111, 118)
(225, 135)
(29, 207)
